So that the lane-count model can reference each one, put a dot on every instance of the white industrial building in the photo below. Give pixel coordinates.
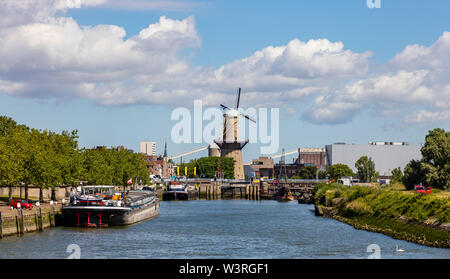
(386, 155)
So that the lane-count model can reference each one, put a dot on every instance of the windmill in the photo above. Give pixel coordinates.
(230, 145)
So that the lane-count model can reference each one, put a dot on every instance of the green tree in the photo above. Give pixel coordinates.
(339, 170)
(308, 172)
(397, 175)
(322, 174)
(436, 159)
(366, 169)
(413, 174)
(12, 153)
(207, 167)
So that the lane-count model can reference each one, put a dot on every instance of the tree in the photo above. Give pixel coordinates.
(12, 153)
(339, 170)
(208, 166)
(413, 174)
(322, 174)
(308, 172)
(434, 168)
(397, 175)
(366, 169)
(436, 159)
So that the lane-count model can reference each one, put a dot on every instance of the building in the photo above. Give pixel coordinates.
(262, 167)
(159, 165)
(291, 169)
(313, 156)
(386, 155)
(148, 147)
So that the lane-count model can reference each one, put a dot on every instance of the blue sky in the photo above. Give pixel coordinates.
(225, 31)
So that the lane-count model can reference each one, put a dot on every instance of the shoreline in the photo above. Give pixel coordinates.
(398, 229)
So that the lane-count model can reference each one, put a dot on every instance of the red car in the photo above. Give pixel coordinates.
(422, 190)
(23, 204)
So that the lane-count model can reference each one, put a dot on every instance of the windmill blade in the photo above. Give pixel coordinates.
(224, 107)
(238, 98)
(248, 117)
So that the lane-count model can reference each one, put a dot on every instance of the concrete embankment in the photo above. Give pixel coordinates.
(15, 222)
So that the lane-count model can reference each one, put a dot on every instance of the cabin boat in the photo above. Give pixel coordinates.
(102, 206)
(179, 191)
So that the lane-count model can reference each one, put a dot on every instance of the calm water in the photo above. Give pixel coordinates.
(218, 229)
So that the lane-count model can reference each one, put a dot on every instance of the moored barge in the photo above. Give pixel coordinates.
(179, 191)
(102, 206)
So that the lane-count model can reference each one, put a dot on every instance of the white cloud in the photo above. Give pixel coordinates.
(15, 12)
(45, 54)
(427, 116)
(152, 4)
(418, 79)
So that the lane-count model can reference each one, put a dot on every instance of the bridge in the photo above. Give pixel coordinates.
(244, 188)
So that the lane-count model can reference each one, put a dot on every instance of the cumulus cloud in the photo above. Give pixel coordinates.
(152, 4)
(14, 12)
(418, 78)
(45, 54)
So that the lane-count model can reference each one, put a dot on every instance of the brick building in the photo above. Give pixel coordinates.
(313, 157)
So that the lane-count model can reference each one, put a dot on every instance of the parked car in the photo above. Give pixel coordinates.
(23, 204)
(422, 190)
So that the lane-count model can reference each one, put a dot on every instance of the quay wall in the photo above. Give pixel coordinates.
(18, 223)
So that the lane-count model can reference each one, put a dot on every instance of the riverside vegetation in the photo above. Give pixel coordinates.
(396, 209)
(47, 159)
(392, 210)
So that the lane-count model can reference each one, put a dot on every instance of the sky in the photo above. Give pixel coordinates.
(338, 71)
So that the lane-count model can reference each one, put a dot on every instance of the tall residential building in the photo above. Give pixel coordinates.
(148, 147)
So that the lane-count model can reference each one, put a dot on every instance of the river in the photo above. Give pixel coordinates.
(219, 229)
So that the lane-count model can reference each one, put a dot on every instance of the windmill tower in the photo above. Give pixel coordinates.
(230, 144)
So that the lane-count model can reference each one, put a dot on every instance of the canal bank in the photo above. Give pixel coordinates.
(402, 215)
(19, 222)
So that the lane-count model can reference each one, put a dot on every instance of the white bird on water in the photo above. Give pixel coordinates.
(398, 250)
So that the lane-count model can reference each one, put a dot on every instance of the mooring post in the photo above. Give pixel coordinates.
(39, 212)
(1, 226)
(19, 217)
(246, 192)
(52, 214)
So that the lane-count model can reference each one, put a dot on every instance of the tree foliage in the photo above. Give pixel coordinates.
(308, 172)
(397, 175)
(434, 168)
(48, 159)
(339, 170)
(366, 169)
(207, 167)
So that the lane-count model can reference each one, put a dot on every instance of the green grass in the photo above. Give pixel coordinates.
(389, 210)
(385, 202)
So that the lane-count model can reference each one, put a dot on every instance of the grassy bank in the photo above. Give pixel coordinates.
(391, 210)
